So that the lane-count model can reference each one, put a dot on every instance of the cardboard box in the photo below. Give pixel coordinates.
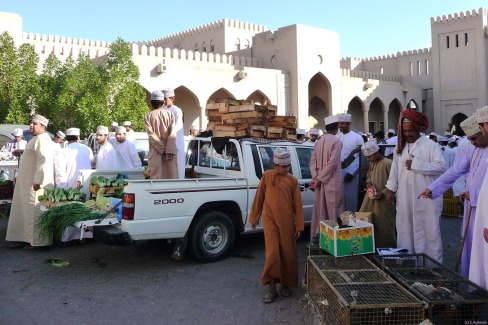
(363, 216)
(347, 241)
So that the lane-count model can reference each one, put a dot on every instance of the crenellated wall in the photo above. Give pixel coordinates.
(460, 15)
(204, 28)
(151, 51)
(369, 75)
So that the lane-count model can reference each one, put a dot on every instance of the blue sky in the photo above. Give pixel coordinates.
(366, 28)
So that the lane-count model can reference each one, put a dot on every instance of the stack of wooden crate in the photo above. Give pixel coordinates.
(241, 118)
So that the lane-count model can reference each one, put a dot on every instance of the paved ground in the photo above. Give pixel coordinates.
(141, 284)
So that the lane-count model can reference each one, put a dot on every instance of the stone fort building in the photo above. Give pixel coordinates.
(299, 69)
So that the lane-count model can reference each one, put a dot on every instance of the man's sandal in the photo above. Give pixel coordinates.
(285, 291)
(270, 297)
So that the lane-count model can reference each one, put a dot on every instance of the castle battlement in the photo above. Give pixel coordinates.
(152, 51)
(369, 75)
(389, 56)
(35, 38)
(197, 30)
(461, 15)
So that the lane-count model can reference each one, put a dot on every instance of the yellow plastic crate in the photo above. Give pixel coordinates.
(450, 207)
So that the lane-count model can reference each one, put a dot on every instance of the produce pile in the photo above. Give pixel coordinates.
(53, 196)
(113, 185)
(55, 220)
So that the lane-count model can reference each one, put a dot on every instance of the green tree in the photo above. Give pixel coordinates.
(126, 97)
(10, 75)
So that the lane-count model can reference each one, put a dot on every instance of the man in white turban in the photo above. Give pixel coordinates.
(169, 97)
(279, 203)
(35, 172)
(106, 156)
(351, 146)
(474, 163)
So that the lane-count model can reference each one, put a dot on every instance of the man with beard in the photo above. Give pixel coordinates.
(107, 156)
(351, 146)
(417, 162)
(474, 163)
(35, 172)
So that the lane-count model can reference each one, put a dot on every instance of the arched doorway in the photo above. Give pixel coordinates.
(221, 93)
(214, 117)
(259, 98)
(189, 104)
(375, 116)
(355, 108)
(319, 101)
(455, 125)
(394, 110)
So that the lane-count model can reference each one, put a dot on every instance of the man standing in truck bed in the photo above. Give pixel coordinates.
(162, 139)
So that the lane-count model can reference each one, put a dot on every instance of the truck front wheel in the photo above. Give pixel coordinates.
(212, 236)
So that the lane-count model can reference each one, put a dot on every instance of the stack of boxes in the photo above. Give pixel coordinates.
(241, 118)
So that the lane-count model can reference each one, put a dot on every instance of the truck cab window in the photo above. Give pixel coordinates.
(304, 155)
(266, 154)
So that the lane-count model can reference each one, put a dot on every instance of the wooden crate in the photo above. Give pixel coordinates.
(450, 207)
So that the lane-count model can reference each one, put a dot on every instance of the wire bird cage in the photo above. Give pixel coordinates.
(352, 290)
(450, 298)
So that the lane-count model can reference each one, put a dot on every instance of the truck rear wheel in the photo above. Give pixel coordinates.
(212, 236)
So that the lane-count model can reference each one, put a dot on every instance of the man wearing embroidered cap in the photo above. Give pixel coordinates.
(113, 125)
(160, 128)
(279, 203)
(17, 143)
(417, 162)
(76, 156)
(375, 201)
(325, 167)
(481, 264)
(130, 134)
(169, 97)
(474, 163)
(106, 157)
(351, 146)
(35, 172)
(314, 135)
(300, 134)
(127, 155)
(392, 140)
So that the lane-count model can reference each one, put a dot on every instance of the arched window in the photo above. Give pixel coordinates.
(238, 44)
(196, 47)
(382, 70)
(248, 44)
(212, 46)
(204, 47)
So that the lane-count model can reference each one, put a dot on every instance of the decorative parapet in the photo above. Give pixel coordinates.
(389, 56)
(197, 30)
(461, 15)
(65, 46)
(151, 51)
(36, 38)
(369, 75)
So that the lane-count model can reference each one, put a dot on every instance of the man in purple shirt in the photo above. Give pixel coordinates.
(474, 162)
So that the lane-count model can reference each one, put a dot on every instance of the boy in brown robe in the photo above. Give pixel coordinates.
(374, 201)
(279, 202)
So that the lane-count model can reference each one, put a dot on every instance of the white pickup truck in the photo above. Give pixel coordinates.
(206, 211)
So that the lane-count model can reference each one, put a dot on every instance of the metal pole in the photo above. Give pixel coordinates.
(463, 240)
